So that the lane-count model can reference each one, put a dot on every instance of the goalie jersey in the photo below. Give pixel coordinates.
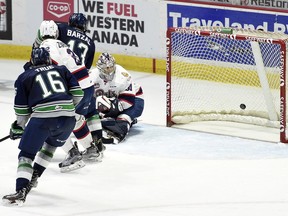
(62, 55)
(121, 87)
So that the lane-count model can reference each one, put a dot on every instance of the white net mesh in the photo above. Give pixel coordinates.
(225, 79)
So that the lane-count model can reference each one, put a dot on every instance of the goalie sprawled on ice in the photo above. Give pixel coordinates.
(119, 100)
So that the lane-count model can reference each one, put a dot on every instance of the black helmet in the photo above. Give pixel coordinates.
(78, 20)
(40, 56)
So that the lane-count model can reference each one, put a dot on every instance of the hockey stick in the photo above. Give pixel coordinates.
(4, 138)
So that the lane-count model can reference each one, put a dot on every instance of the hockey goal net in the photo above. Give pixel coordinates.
(223, 74)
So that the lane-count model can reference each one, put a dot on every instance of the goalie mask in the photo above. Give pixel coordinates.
(48, 29)
(106, 65)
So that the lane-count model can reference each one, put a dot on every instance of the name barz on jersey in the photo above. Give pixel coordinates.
(79, 35)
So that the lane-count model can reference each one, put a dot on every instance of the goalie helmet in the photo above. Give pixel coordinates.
(78, 20)
(40, 56)
(107, 66)
(49, 29)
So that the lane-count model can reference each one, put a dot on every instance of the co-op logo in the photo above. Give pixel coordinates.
(58, 9)
(2, 7)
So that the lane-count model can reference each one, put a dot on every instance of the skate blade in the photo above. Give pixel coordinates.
(72, 167)
(7, 202)
(35, 185)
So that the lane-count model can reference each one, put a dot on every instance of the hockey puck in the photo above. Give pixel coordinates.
(243, 106)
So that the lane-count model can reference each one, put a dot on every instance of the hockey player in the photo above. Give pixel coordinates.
(118, 99)
(62, 55)
(46, 95)
(74, 35)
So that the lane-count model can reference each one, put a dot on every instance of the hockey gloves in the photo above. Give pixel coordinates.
(109, 107)
(16, 131)
(116, 108)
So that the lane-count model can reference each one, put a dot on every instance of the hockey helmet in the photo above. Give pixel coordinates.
(78, 20)
(107, 65)
(40, 56)
(49, 29)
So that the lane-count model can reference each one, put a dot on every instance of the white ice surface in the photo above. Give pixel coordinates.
(157, 171)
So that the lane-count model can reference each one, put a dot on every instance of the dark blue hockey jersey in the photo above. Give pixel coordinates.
(78, 42)
(46, 91)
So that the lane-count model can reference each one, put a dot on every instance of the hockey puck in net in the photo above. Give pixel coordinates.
(243, 106)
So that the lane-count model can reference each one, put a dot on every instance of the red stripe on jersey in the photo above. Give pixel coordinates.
(79, 69)
(82, 78)
(83, 125)
(126, 94)
(84, 136)
(54, 62)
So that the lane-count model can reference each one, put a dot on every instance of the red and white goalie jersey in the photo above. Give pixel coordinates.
(121, 86)
(62, 55)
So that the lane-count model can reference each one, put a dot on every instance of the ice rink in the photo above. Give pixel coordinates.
(157, 171)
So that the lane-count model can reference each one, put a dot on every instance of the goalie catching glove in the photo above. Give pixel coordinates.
(109, 107)
(16, 131)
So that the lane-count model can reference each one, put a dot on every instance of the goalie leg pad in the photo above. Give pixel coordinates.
(119, 127)
(110, 138)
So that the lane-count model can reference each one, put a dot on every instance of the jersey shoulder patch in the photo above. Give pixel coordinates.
(125, 74)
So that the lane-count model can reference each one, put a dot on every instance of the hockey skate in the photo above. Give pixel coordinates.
(114, 131)
(72, 162)
(101, 148)
(34, 180)
(135, 121)
(99, 144)
(94, 153)
(16, 199)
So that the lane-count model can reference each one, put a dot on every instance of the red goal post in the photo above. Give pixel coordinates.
(226, 74)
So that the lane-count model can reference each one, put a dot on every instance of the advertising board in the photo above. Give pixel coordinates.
(187, 15)
(58, 11)
(272, 5)
(123, 26)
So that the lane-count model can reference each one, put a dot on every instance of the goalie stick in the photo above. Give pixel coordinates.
(4, 138)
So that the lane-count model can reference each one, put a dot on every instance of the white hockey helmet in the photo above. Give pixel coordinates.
(49, 29)
(107, 65)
